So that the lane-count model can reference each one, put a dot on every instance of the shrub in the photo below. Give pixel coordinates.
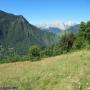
(34, 53)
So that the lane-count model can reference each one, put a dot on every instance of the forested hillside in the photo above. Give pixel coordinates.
(18, 34)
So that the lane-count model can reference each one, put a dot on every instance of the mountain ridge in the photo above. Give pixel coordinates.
(55, 29)
(16, 32)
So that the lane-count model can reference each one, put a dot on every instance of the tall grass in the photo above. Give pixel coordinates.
(65, 72)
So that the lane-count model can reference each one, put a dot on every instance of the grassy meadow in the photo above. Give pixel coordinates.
(65, 72)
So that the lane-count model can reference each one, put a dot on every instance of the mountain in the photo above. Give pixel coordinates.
(52, 30)
(55, 27)
(74, 29)
(16, 32)
(58, 24)
(59, 27)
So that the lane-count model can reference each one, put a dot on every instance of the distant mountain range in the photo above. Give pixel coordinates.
(16, 32)
(74, 29)
(59, 27)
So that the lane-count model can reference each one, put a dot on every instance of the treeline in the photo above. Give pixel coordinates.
(83, 36)
(68, 42)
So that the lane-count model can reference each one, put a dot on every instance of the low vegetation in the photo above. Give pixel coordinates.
(65, 72)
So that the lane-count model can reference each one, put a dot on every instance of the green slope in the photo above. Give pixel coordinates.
(16, 32)
(65, 72)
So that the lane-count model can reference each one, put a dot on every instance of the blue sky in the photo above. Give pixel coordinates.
(47, 11)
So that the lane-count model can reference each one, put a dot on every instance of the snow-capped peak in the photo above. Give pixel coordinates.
(43, 26)
(70, 23)
(57, 24)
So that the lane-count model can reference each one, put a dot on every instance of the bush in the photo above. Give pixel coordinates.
(34, 53)
(87, 46)
(66, 41)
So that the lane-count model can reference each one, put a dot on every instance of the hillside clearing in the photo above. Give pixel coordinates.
(65, 72)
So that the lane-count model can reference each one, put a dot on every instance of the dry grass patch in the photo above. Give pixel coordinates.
(65, 72)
